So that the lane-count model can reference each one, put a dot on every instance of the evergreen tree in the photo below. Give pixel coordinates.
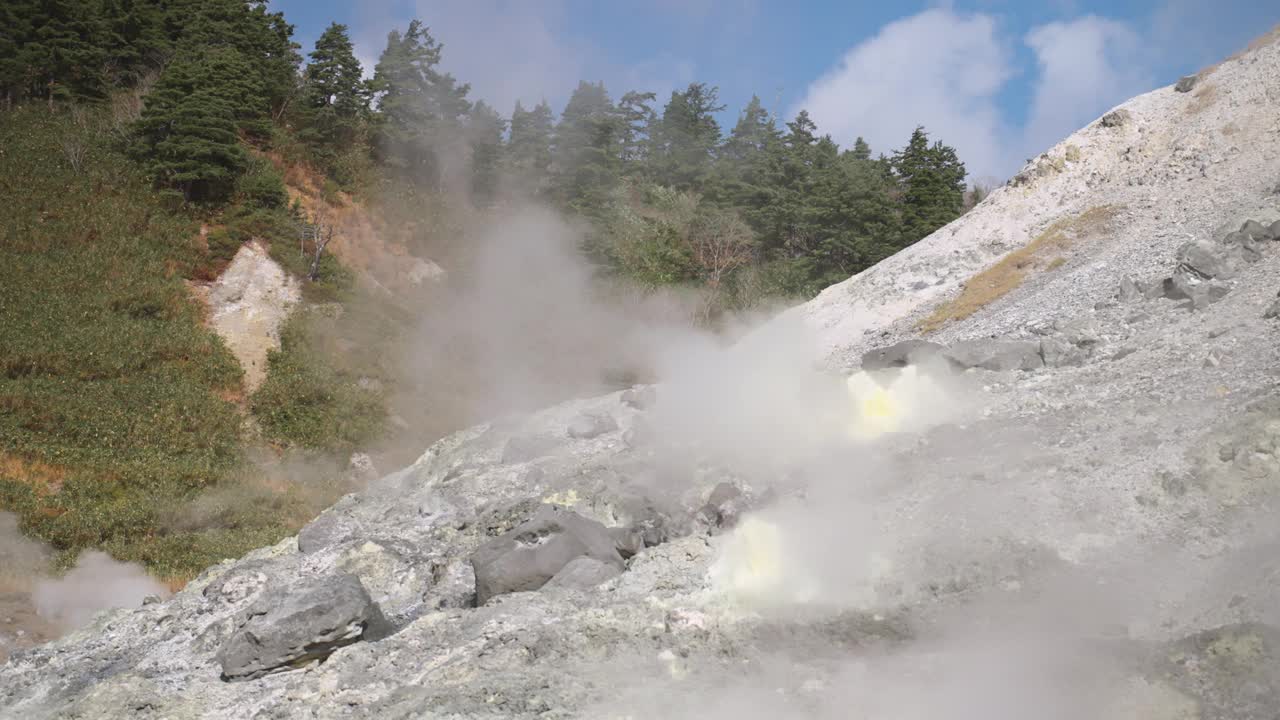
(931, 180)
(529, 149)
(334, 98)
(133, 38)
(636, 120)
(747, 160)
(687, 137)
(585, 159)
(263, 38)
(187, 134)
(752, 135)
(419, 108)
(63, 56)
(17, 49)
(861, 150)
(484, 130)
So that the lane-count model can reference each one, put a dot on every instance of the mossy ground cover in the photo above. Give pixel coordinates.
(112, 409)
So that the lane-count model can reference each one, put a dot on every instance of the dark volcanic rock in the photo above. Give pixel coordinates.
(583, 573)
(1205, 260)
(900, 354)
(529, 555)
(1186, 83)
(1129, 290)
(1256, 230)
(1116, 118)
(290, 626)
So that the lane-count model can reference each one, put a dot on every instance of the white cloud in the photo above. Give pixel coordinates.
(939, 69)
(1086, 66)
(510, 50)
(946, 70)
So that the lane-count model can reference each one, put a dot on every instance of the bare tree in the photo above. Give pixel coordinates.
(721, 243)
(75, 151)
(319, 232)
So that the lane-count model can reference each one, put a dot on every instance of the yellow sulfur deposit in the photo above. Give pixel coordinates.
(752, 567)
(899, 402)
(751, 562)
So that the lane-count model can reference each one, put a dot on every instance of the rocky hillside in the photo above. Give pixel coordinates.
(1038, 480)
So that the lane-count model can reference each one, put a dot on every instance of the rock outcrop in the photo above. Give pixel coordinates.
(247, 305)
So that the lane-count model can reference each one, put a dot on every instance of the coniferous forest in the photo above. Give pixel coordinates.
(144, 142)
(670, 195)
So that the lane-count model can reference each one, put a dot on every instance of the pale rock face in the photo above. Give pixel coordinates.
(247, 305)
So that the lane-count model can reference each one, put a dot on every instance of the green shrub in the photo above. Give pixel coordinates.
(262, 187)
(111, 408)
(309, 402)
(222, 246)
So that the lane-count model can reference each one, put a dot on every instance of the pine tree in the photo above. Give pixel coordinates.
(263, 39)
(133, 38)
(585, 164)
(419, 108)
(334, 97)
(187, 138)
(636, 120)
(931, 179)
(64, 57)
(861, 150)
(752, 134)
(687, 137)
(484, 130)
(529, 149)
(745, 163)
(17, 49)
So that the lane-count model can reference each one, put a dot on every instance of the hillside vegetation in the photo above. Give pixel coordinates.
(112, 395)
(143, 143)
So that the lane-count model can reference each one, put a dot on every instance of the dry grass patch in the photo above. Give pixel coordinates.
(42, 477)
(1203, 98)
(1044, 253)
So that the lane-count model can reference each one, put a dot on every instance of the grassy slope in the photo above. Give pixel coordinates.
(112, 414)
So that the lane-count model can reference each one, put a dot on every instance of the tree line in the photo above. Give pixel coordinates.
(670, 196)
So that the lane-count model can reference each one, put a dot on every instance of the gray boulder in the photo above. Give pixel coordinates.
(1116, 118)
(1129, 290)
(1057, 351)
(996, 355)
(330, 529)
(1178, 287)
(724, 505)
(628, 541)
(524, 448)
(291, 626)
(1256, 230)
(1205, 260)
(640, 398)
(1202, 295)
(583, 573)
(1274, 230)
(1186, 83)
(589, 425)
(900, 354)
(1156, 289)
(1272, 312)
(1248, 245)
(532, 553)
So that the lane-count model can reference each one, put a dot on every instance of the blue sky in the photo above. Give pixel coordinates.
(1001, 80)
